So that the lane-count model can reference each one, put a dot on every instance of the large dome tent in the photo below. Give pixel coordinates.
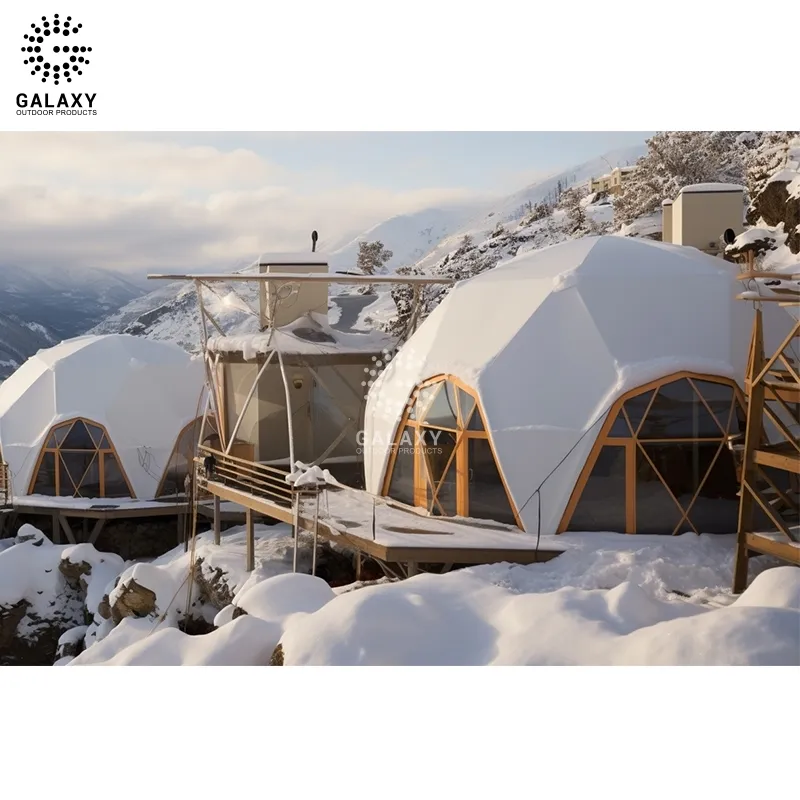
(98, 416)
(589, 385)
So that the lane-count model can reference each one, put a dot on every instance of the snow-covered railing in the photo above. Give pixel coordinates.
(257, 479)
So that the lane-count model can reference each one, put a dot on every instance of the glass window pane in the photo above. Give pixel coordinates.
(487, 494)
(115, 485)
(95, 432)
(476, 421)
(601, 506)
(78, 438)
(635, 408)
(716, 509)
(424, 398)
(90, 482)
(442, 411)
(401, 485)
(66, 483)
(439, 446)
(466, 404)
(620, 429)
(76, 464)
(46, 476)
(718, 397)
(678, 413)
(51, 442)
(105, 444)
(656, 511)
(61, 432)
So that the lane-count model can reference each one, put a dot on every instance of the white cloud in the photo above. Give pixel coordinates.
(133, 204)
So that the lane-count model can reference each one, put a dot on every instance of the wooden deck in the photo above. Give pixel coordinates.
(391, 534)
(100, 511)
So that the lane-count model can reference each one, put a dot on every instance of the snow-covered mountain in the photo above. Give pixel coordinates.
(515, 207)
(41, 307)
(408, 236)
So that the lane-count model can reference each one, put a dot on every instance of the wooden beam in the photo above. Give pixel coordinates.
(67, 529)
(251, 541)
(217, 521)
(96, 530)
(789, 462)
(770, 547)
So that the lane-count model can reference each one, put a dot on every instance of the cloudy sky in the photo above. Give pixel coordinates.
(138, 202)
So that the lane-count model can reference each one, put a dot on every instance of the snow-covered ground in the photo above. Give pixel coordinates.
(609, 599)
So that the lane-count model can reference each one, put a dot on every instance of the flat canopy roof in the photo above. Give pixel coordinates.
(313, 278)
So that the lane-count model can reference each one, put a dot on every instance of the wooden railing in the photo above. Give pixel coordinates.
(257, 479)
(5, 485)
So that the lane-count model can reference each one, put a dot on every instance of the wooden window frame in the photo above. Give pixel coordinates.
(423, 496)
(634, 444)
(99, 452)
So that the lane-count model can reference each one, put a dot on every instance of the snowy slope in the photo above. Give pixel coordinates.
(408, 236)
(514, 207)
(19, 340)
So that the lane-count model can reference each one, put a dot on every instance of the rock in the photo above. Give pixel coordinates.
(238, 612)
(73, 572)
(71, 643)
(212, 585)
(104, 608)
(134, 600)
(277, 656)
(774, 206)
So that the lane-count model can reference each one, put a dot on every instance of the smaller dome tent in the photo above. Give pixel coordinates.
(97, 416)
(521, 373)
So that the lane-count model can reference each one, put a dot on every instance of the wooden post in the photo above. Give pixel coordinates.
(412, 569)
(217, 522)
(182, 537)
(56, 528)
(251, 540)
(752, 441)
(358, 565)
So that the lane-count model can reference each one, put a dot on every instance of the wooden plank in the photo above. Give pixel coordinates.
(263, 506)
(771, 547)
(786, 460)
(96, 530)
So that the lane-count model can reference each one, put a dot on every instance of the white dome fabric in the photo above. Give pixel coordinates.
(142, 391)
(550, 339)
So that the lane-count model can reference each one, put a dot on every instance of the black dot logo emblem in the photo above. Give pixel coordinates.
(53, 50)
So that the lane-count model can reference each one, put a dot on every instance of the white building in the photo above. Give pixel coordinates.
(101, 416)
(589, 386)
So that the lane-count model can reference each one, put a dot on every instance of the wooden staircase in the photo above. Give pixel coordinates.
(770, 459)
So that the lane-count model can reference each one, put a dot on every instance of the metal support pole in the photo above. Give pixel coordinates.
(289, 423)
(247, 402)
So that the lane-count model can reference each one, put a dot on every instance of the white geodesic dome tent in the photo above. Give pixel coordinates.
(97, 416)
(524, 372)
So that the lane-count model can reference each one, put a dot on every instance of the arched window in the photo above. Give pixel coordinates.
(183, 453)
(442, 458)
(79, 460)
(661, 463)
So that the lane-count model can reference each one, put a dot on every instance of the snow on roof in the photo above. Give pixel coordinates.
(701, 188)
(552, 338)
(666, 202)
(141, 390)
(278, 259)
(308, 335)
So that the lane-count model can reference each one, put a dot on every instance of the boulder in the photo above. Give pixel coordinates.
(134, 600)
